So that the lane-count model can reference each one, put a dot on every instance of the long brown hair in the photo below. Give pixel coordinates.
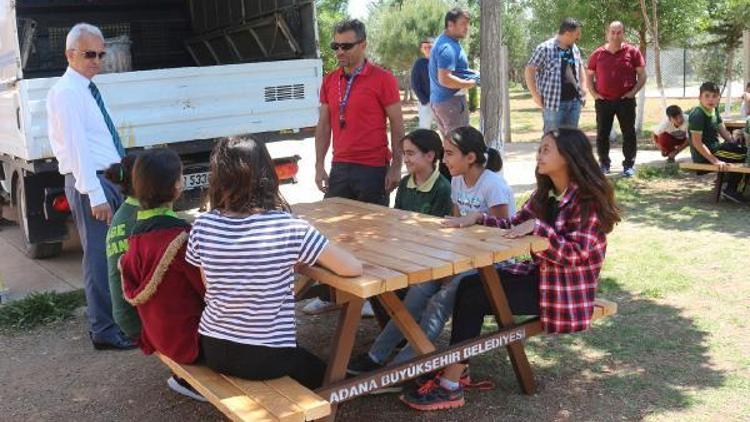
(595, 191)
(243, 178)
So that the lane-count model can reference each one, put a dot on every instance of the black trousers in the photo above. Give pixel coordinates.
(359, 182)
(606, 110)
(472, 303)
(262, 363)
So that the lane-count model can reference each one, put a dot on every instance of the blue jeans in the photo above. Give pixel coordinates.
(430, 303)
(565, 116)
(95, 276)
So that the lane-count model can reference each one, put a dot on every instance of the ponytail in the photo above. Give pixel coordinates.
(121, 173)
(494, 160)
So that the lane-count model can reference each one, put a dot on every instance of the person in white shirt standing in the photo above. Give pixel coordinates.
(85, 142)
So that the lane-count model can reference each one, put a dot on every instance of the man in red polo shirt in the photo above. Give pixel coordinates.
(616, 73)
(355, 101)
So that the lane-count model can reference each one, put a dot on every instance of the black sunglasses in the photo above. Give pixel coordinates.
(91, 54)
(346, 46)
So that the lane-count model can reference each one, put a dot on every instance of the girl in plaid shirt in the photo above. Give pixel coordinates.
(574, 208)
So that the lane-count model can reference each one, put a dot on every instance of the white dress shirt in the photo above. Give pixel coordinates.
(78, 134)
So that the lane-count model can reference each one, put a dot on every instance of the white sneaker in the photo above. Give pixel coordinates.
(180, 386)
(367, 311)
(318, 306)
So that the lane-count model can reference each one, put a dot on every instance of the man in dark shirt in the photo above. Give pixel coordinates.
(420, 83)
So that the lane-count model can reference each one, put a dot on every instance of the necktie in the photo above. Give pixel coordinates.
(111, 126)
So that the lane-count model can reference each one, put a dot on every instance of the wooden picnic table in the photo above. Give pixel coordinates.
(399, 248)
(734, 123)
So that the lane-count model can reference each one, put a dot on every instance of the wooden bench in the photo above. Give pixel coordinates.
(603, 308)
(743, 169)
(282, 399)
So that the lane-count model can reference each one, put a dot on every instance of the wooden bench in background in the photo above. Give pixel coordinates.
(282, 399)
(743, 169)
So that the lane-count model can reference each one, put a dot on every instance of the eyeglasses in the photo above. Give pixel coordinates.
(346, 46)
(91, 54)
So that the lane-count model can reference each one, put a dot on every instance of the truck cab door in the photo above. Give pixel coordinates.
(10, 54)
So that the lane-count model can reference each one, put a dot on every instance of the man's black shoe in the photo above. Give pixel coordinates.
(120, 342)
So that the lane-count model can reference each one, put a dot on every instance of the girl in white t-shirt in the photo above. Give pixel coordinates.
(475, 187)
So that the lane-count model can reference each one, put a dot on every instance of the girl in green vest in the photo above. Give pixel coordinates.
(424, 189)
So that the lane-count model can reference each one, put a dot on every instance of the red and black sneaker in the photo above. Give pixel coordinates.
(465, 381)
(433, 396)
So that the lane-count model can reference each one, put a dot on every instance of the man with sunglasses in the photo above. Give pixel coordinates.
(85, 142)
(357, 101)
(555, 76)
(450, 75)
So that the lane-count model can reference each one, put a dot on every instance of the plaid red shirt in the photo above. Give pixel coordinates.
(569, 269)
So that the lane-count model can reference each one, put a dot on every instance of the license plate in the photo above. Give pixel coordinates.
(195, 180)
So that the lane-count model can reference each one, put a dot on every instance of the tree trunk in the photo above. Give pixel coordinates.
(728, 79)
(652, 23)
(490, 69)
(641, 103)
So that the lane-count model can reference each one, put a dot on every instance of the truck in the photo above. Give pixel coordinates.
(182, 73)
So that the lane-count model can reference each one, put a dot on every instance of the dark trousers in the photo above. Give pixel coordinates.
(358, 182)
(93, 234)
(361, 183)
(606, 110)
(260, 363)
(472, 303)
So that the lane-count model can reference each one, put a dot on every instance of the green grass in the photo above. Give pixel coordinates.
(40, 308)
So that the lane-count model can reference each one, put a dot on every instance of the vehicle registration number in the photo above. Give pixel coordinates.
(195, 180)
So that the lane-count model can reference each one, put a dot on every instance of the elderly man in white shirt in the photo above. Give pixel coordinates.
(85, 142)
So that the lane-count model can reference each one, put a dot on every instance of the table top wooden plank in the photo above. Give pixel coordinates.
(503, 248)
(735, 168)
(363, 286)
(384, 239)
(387, 225)
(416, 273)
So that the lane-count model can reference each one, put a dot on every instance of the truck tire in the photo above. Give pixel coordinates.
(32, 250)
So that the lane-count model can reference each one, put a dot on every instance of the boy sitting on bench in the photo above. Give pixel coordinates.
(705, 126)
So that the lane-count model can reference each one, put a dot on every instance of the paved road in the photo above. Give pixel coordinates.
(22, 276)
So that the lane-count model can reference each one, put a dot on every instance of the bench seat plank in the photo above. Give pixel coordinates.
(281, 399)
(713, 167)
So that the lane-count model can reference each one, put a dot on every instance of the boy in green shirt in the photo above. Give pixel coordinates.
(705, 126)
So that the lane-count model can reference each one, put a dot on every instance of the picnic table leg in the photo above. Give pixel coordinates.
(504, 316)
(343, 342)
(719, 182)
(406, 323)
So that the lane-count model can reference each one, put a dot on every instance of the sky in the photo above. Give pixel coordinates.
(358, 8)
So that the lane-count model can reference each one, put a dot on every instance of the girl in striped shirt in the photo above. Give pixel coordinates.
(247, 247)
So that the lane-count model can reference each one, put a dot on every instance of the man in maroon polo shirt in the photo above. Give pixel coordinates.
(616, 73)
(355, 101)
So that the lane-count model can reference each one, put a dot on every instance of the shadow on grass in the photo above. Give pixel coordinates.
(688, 206)
(644, 360)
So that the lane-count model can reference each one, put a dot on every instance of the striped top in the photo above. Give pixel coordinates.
(249, 266)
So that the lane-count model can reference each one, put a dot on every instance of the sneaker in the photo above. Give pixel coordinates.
(367, 311)
(361, 364)
(465, 381)
(628, 172)
(318, 306)
(180, 386)
(604, 168)
(432, 396)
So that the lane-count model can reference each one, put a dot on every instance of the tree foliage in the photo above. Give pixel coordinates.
(395, 29)
(328, 13)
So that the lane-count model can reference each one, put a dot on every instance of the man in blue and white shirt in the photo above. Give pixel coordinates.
(555, 77)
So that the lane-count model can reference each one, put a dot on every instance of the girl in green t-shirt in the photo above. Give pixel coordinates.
(425, 189)
(117, 243)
